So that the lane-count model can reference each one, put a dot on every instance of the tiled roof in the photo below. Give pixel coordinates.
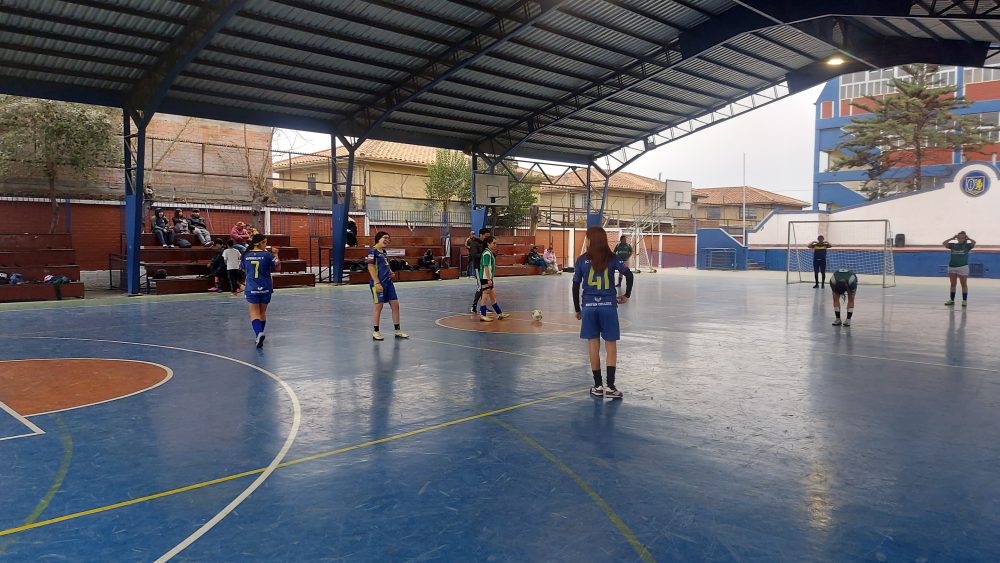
(383, 151)
(733, 195)
(625, 181)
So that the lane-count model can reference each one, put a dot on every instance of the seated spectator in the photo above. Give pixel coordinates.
(550, 261)
(217, 267)
(233, 256)
(240, 235)
(161, 228)
(535, 259)
(427, 261)
(199, 227)
(180, 223)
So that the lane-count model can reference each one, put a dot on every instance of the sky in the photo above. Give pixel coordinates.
(778, 141)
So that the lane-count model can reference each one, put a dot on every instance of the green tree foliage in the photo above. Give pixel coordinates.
(448, 177)
(44, 137)
(903, 128)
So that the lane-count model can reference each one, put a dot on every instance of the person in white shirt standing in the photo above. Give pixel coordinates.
(232, 256)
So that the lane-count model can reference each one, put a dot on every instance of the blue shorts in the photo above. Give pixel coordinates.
(388, 293)
(600, 322)
(258, 298)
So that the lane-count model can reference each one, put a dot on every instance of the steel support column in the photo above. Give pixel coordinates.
(135, 154)
(340, 210)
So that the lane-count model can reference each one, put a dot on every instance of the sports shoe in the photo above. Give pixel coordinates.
(815, 286)
(377, 335)
(260, 340)
(401, 334)
(949, 302)
(165, 246)
(837, 322)
(503, 316)
(473, 310)
(965, 302)
(214, 289)
(847, 322)
(486, 318)
(597, 391)
(612, 393)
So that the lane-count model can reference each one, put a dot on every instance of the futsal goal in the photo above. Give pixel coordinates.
(863, 246)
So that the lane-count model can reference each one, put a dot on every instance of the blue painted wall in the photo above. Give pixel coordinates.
(718, 238)
(920, 263)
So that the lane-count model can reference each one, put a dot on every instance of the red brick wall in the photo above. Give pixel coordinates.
(982, 91)
(96, 228)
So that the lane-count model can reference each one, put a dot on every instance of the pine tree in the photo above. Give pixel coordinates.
(448, 177)
(904, 128)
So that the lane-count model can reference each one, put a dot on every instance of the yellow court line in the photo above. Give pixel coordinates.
(640, 549)
(284, 464)
(67, 441)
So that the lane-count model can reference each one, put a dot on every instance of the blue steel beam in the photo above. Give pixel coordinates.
(340, 210)
(445, 66)
(135, 154)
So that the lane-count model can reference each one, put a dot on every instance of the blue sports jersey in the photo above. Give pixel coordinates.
(381, 261)
(258, 265)
(598, 288)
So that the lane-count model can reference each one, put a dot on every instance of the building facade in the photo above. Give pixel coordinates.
(723, 207)
(831, 190)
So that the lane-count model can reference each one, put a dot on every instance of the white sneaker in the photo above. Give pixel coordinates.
(847, 322)
(597, 391)
(401, 334)
(503, 316)
(486, 318)
(837, 322)
(377, 335)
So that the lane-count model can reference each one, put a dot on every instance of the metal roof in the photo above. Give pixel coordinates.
(570, 81)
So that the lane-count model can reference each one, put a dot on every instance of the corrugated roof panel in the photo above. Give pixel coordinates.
(252, 51)
(627, 24)
(755, 63)
(265, 83)
(668, 98)
(309, 43)
(545, 138)
(485, 81)
(520, 58)
(36, 43)
(610, 120)
(462, 127)
(244, 104)
(604, 138)
(59, 78)
(450, 11)
(471, 104)
(39, 26)
(424, 129)
(470, 114)
(677, 12)
(59, 63)
(264, 96)
(772, 51)
(87, 14)
(800, 40)
(711, 70)
(579, 46)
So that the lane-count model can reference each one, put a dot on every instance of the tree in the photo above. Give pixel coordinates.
(44, 137)
(904, 129)
(448, 177)
(258, 170)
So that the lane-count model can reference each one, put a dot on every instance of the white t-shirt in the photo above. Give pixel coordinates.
(232, 257)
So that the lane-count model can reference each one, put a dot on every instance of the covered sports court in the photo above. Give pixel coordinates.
(750, 430)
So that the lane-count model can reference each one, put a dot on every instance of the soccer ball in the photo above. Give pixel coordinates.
(536, 315)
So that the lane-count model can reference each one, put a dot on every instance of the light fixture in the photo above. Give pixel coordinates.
(835, 60)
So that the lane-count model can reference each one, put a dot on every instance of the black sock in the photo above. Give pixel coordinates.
(597, 378)
(397, 327)
(837, 312)
(611, 377)
(376, 328)
(850, 313)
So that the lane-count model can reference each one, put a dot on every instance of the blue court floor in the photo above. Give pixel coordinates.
(751, 429)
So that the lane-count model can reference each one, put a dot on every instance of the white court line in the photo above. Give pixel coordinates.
(35, 430)
(292, 433)
(170, 374)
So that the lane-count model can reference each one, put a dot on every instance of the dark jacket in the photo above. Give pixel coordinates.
(161, 223)
(475, 247)
(197, 222)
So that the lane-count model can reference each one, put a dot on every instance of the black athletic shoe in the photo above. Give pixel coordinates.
(815, 286)
(260, 340)
(473, 310)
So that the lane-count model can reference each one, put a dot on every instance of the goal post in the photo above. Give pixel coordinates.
(863, 246)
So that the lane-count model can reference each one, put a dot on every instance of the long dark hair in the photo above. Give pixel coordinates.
(598, 251)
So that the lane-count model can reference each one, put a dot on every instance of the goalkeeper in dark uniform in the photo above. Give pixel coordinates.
(843, 282)
(819, 248)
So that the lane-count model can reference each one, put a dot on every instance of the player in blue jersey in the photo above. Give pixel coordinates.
(383, 290)
(594, 272)
(258, 263)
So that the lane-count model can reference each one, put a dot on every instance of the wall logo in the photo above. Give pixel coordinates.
(975, 184)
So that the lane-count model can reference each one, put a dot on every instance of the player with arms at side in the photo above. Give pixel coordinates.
(487, 273)
(383, 290)
(258, 263)
(599, 311)
(843, 282)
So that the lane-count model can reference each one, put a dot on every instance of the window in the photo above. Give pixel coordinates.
(876, 82)
(311, 181)
(751, 213)
(991, 119)
(715, 213)
(579, 201)
(824, 161)
(976, 75)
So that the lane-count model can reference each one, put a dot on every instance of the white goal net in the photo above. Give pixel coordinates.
(863, 246)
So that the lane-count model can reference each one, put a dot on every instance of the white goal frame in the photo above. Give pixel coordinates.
(843, 253)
